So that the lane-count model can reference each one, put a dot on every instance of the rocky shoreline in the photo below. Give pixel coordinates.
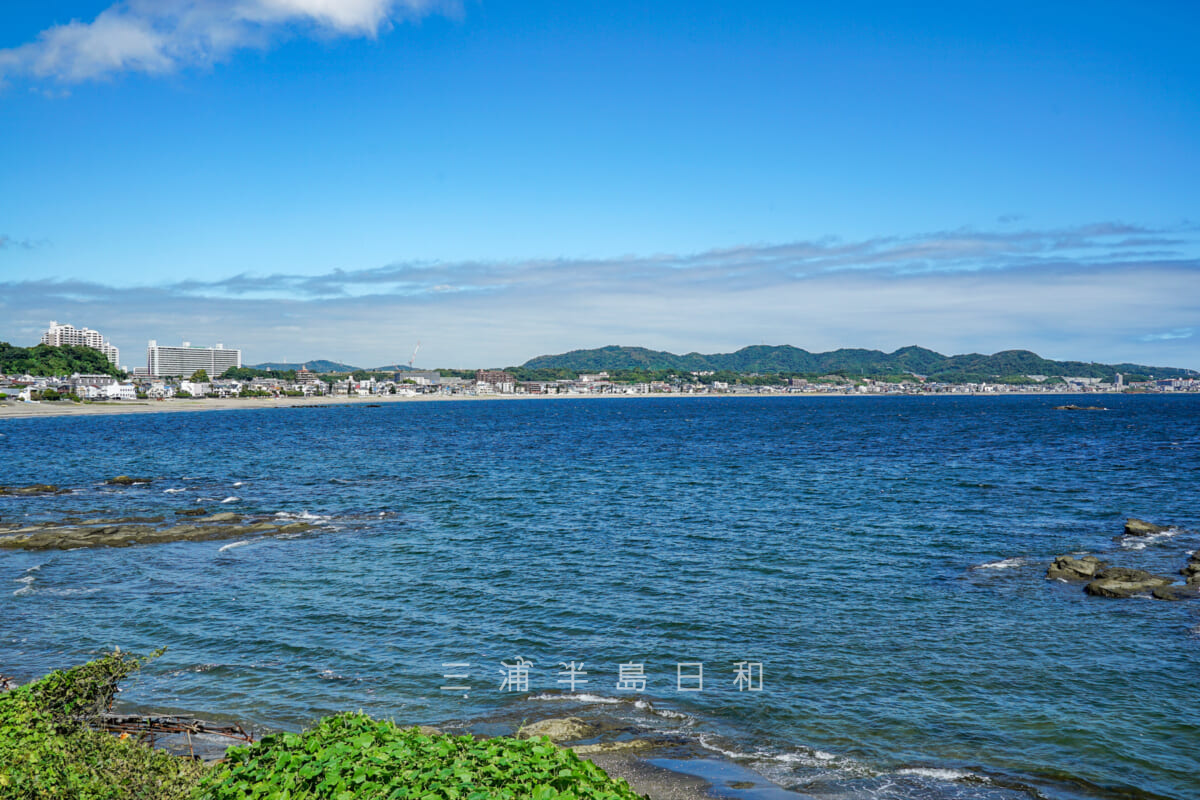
(1104, 580)
(187, 525)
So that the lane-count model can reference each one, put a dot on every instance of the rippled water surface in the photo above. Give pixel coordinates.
(883, 558)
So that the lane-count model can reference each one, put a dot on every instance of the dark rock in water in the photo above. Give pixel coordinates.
(1176, 592)
(125, 480)
(33, 489)
(1069, 568)
(218, 526)
(1080, 408)
(1125, 582)
(192, 512)
(1139, 527)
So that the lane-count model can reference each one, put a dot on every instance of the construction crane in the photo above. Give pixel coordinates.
(414, 355)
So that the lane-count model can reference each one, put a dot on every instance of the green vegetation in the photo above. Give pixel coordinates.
(47, 360)
(250, 373)
(50, 749)
(320, 365)
(353, 757)
(856, 363)
(199, 376)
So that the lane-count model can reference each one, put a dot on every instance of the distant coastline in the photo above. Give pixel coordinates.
(64, 408)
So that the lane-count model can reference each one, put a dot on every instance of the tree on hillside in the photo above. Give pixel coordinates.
(199, 376)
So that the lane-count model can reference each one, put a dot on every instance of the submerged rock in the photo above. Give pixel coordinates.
(1073, 407)
(33, 489)
(1124, 582)
(611, 747)
(1069, 568)
(123, 535)
(125, 480)
(224, 516)
(1139, 527)
(192, 512)
(1190, 591)
(558, 730)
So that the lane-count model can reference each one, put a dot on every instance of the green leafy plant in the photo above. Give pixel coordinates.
(49, 751)
(353, 757)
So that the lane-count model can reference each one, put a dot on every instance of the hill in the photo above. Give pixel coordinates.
(851, 362)
(47, 360)
(320, 365)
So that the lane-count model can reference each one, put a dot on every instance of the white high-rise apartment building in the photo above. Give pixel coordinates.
(165, 362)
(60, 335)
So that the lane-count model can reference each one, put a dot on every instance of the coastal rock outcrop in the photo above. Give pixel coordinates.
(1191, 570)
(1140, 527)
(563, 729)
(1073, 407)
(1125, 582)
(1069, 568)
(1189, 591)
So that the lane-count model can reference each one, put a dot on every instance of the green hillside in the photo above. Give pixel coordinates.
(44, 359)
(320, 365)
(850, 362)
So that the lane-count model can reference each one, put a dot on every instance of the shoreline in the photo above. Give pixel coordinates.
(66, 408)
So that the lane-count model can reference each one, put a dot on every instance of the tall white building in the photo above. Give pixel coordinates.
(163, 362)
(60, 335)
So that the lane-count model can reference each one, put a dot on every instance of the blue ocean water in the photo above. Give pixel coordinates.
(883, 559)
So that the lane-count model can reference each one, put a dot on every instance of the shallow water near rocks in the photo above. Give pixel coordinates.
(882, 558)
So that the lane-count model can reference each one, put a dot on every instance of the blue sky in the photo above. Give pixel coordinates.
(341, 178)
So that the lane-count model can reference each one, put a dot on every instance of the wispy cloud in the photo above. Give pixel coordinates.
(745, 267)
(9, 243)
(1083, 293)
(1166, 336)
(156, 37)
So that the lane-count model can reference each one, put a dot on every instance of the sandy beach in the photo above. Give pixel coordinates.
(61, 408)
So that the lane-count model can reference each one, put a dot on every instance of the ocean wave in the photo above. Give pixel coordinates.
(303, 515)
(1142, 542)
(665, 713)
(27, 588)
(238, 484)
(225, 547)
(231, 499)
(1008, 563)
(173, 491)
(939, 774)
(582, 697)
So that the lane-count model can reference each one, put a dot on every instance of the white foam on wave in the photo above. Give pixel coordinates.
(936, 773)
(303, 515)
(173, 491)
(231, 499)
(582, 697)
(1141, 542)
(665, 713)
(225, 547)
(238, 485)
(1007, 563)
(27, 580)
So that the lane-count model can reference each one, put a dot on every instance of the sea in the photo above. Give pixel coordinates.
(844, 595)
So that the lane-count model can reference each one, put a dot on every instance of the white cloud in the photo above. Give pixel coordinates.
(159, 36)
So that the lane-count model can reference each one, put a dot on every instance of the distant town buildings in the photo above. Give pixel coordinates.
(61, 335)
(174, 362)
(495, 380)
